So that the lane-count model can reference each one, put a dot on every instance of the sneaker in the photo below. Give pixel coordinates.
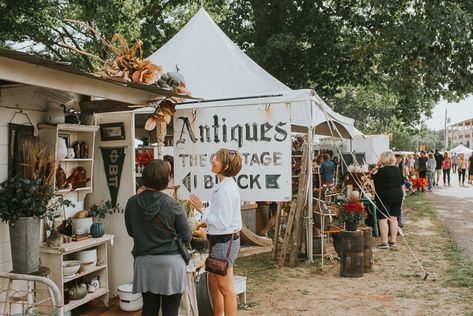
(392, 244)
(383, 246)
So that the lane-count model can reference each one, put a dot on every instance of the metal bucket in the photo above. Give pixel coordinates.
(204, 299)
(24, 244)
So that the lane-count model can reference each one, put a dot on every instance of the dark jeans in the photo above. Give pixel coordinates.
(446, 175)
(152, 302)
(461, 176)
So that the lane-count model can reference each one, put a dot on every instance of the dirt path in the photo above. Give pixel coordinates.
(455, 205)
(395, 287)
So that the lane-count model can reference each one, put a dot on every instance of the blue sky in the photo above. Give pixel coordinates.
(457, 112)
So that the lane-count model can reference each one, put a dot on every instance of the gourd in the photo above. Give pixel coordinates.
(97, 230)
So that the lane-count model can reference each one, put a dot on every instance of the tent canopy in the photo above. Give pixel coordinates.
(461, 149)
(215, 68)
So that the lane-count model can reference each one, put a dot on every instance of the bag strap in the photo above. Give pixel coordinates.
(157, 220)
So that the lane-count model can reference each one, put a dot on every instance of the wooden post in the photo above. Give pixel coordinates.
(160, 135)
(276, 231)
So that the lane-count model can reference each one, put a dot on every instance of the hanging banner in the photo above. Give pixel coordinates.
(113, 159)
(260, 132)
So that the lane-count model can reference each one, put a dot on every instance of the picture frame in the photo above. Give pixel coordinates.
(112, 131)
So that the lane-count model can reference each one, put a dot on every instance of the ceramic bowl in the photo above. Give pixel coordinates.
(70, 267)
(88, 258)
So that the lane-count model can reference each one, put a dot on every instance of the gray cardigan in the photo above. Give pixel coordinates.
(431, 165)
(149, 238)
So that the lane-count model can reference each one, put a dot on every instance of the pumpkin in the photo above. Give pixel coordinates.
(97, 230)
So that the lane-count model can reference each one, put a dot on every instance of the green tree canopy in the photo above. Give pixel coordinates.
(371, 60)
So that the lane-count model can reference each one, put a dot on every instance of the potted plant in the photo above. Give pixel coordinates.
(352, 212)
(24, 201)
(98, 212)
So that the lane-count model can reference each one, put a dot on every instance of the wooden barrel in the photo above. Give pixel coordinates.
(351, 260)
(367, 248)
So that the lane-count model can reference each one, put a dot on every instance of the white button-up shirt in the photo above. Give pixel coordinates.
(223, 216)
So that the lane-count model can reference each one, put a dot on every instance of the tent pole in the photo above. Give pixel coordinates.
(310, 224)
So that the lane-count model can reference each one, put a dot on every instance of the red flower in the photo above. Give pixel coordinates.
(353, 210)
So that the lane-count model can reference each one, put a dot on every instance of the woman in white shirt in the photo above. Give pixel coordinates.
(223, 219)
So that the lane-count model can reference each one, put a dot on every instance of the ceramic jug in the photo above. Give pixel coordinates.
(61, 148)
(70, 153)
(55, 114)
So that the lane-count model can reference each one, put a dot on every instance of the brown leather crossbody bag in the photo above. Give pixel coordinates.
(217, 266)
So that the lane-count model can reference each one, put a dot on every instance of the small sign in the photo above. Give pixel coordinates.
(262, 135)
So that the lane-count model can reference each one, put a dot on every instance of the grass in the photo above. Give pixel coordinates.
(460, 273)
(420, 207)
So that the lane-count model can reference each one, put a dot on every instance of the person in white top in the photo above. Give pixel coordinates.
(223, 219)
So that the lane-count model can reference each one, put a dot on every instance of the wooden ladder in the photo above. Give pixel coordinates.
(294, 228)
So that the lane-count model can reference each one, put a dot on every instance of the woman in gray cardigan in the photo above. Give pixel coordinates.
(159, 269)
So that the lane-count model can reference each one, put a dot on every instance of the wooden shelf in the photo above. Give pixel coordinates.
(77, 160)
(69, 127)
(54, 258)
(64, 191)
(74, 246)
(89, 297)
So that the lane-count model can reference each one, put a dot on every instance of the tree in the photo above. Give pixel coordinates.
(404, 54)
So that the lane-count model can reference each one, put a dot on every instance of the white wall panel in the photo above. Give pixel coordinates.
(119, 255)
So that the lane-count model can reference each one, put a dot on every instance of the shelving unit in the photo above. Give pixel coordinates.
(49, 134)
(53, 259)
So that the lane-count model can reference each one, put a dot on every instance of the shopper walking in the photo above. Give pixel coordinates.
(446, 166)
(470, 169)
(462, 164)
(438, 160)
(454, 162)
(422, 167)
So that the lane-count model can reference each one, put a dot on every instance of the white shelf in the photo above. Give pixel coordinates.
(53, 258)
(77, 160)
(89, 297)
(81, 274)
(65, 191)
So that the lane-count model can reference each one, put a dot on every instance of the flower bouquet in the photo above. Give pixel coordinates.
(352, 213)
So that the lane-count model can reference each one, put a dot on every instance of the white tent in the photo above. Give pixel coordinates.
(460, 149)
(215, 68)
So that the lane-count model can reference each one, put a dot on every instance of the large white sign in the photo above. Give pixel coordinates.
(261, 133)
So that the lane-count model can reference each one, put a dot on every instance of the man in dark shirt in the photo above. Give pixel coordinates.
(438, 159)
(422, 161)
